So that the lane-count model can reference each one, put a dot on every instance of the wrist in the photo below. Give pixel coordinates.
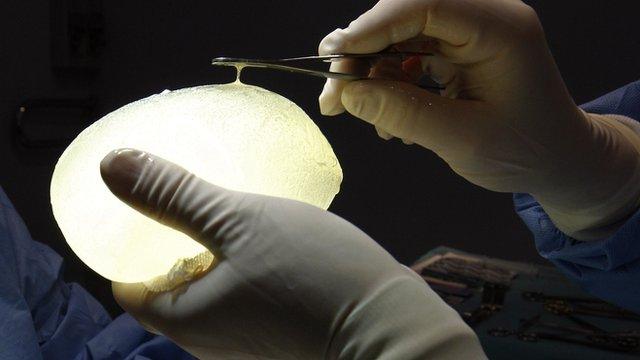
(597, 186)
(404, 319)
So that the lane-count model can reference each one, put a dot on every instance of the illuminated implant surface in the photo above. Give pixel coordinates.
(234, 135)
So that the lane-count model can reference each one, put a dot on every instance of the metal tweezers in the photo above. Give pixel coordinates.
(287, 64)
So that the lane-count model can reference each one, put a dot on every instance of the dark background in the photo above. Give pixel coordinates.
(403, 196)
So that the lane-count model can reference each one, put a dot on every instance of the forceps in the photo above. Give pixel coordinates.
(288, 64)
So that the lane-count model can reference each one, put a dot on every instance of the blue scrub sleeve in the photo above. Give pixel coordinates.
(607, 268)
(43, 317)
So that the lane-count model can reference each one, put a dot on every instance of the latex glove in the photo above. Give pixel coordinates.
(505, 122)
(293, 281)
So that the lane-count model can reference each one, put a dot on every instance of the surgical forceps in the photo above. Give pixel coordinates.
(291, 64)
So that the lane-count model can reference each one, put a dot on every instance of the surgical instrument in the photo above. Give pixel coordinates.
(302, 64)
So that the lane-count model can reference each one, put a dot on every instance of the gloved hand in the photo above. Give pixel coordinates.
(505, 121)
(292, 281)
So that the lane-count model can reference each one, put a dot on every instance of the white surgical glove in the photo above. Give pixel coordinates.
(505, 121)
(292, 281)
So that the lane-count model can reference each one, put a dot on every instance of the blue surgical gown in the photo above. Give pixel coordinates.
(607, 268)
(43, 317)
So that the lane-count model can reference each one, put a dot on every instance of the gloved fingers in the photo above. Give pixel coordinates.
(383, 134)
(329, 99)
(137, 300)
(161, 312)
(387, 23)
(443, 72)
(414, 66)
(438, 68)
(154, 311)
(466, 31)
(415, 115)
(169, 194)
(419, 44)
(389, 69)
(411, 70)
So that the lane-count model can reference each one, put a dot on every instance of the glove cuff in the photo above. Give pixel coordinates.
(602, 188)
